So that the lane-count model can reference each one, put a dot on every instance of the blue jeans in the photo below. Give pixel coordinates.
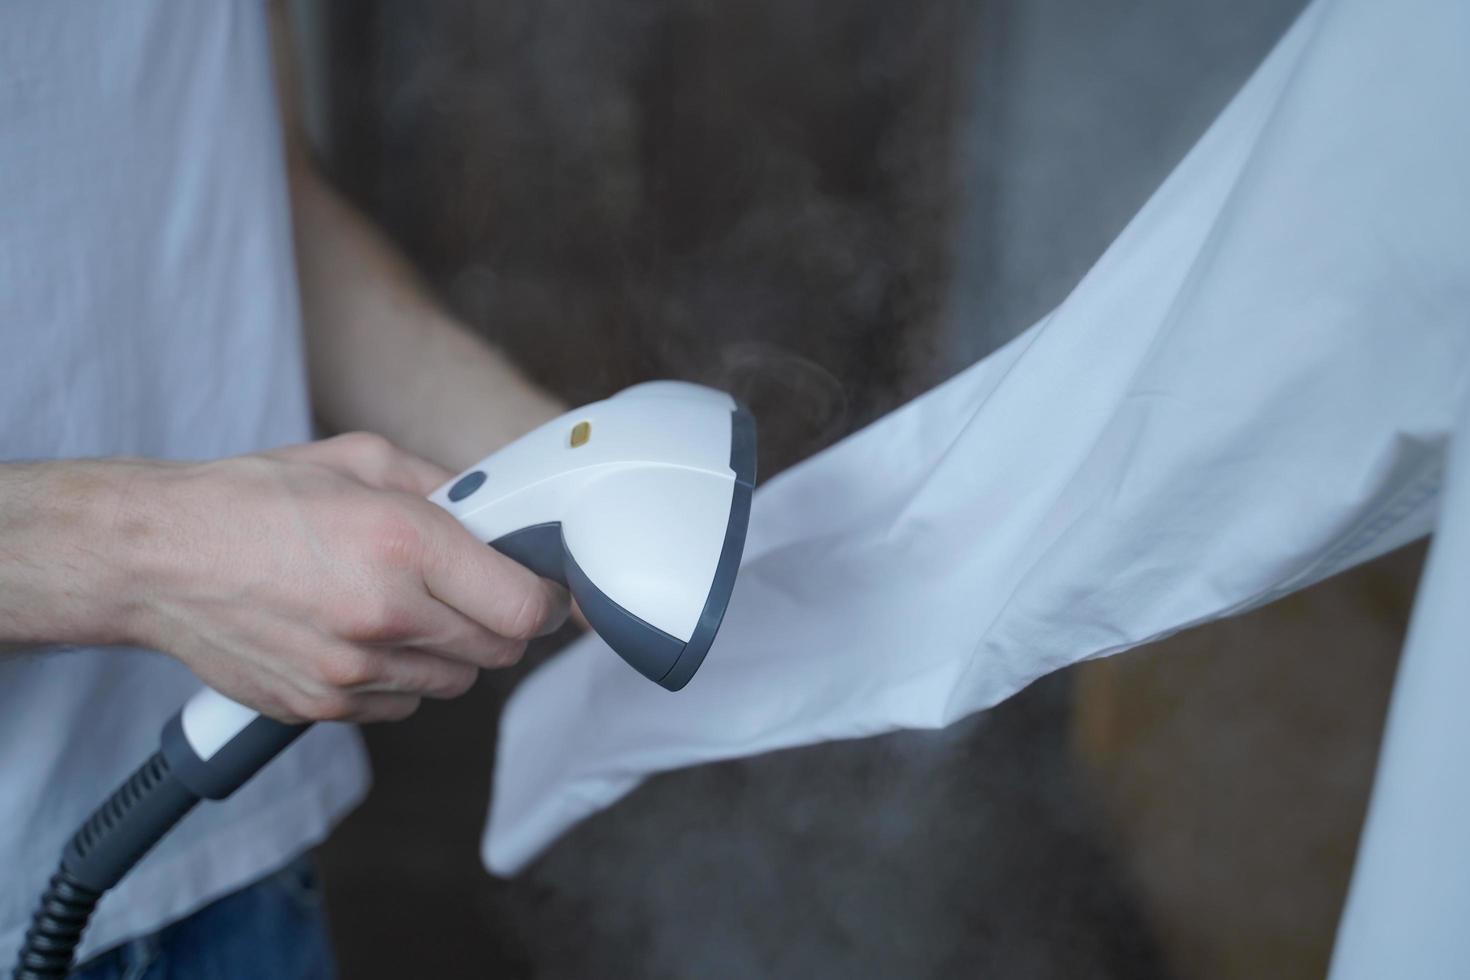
(274, 928)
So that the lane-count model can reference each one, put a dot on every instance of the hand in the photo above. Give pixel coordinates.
(315, 582)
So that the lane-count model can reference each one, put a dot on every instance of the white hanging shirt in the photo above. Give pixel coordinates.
(148, 307)
(1253, 389)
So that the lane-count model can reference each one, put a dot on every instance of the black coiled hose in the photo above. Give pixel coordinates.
(56, 928)
(117, 835)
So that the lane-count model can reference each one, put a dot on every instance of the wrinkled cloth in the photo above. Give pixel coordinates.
(1252, 389)
(1410, 897)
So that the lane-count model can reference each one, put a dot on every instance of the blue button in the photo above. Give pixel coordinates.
(466, 485)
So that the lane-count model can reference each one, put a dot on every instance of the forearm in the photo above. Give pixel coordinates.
(68, 534)
(309, 582)
(384, 356)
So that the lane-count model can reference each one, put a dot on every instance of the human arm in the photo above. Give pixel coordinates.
(384, 356)
(312, 582)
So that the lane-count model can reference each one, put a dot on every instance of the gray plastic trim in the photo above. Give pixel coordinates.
(539, 547)
(663, 659)
(466, 485)
(136, 816)
(236, 761)
(646, 648)
(742, 461)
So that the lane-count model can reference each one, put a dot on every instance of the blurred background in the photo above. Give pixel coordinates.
(827, 207)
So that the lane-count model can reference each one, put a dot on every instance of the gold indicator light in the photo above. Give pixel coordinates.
(581, 432)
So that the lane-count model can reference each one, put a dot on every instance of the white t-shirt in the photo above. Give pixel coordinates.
(148, 307)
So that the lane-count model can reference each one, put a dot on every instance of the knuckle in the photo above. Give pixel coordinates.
(298, 706)
(350, 668)
(367, 445)
(326, 706)
(397, 623)
(394, 538)
(377, 619)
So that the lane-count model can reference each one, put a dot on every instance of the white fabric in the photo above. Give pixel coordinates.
(1409, 904)
(147, 306)
(1251, 390)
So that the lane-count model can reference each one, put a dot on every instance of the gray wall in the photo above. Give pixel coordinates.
(1081, 110)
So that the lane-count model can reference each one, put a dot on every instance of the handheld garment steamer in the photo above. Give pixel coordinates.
(637, 504)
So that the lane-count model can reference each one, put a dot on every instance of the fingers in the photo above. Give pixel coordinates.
(487, 587)
(411, 474)
(368, 599)
(460, 638)
(561, 608)
(313, 697)
(407, 671)
(411, 616)
(374, 707)
(349, 682)
(361, 708)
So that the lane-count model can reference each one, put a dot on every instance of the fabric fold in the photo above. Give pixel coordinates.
(1251, 390)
